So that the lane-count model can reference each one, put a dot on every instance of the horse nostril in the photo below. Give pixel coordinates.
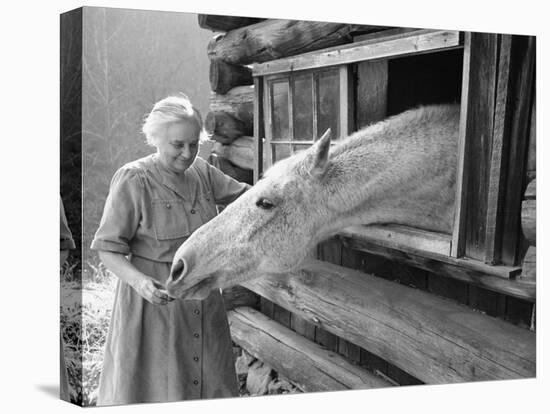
(178, 271)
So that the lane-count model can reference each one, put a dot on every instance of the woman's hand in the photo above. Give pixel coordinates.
(152, 291)
(147, 287)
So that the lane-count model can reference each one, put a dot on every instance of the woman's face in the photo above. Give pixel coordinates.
(178, 144)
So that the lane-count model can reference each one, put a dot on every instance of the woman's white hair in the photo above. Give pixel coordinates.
(170, 109)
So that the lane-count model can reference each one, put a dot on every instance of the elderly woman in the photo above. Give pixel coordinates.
(158, 348)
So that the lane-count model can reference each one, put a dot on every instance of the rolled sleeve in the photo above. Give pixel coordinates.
(121, 214)
(225, 188)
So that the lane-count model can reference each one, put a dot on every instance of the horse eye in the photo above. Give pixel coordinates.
(265, 204)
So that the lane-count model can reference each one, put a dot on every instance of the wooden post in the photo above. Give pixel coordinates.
(523, 92)
(259, 146)
(475, 136)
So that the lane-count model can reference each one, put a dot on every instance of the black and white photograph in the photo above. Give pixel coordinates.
(261, 207)
(275, 206)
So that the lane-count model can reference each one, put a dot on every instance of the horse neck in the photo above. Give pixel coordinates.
(372, 181)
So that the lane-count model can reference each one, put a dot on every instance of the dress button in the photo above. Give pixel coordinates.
(195, 358)
(196, 335)
(195, 382)
(196, 311)
(168, 205)
(193, 211)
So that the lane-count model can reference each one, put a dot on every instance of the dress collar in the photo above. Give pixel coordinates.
(180, 183)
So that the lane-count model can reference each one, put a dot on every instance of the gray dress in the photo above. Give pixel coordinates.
(178, 351)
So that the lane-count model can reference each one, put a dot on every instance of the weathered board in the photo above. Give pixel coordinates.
(303, 362)
(523, 49)
(219, 23)
(469, 271)
(239, 296)
(435, 339)
(276, 38)
(225, 126)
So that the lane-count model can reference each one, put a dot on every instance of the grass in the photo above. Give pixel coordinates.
(85, 316)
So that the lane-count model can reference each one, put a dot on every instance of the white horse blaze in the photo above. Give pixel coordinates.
(401, 170)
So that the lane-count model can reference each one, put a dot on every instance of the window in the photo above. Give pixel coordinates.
(347, 87)
(301, 106)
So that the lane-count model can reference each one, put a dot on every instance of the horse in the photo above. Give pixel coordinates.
(401, 170)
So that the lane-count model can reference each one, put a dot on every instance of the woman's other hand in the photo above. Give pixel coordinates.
(152, 291)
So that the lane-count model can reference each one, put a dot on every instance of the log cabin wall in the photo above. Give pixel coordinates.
(495, 73)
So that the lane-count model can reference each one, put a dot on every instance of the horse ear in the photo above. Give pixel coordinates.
(320, 154)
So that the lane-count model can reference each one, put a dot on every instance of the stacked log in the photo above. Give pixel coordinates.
(218, 23)
(275, 38)
(230, 123)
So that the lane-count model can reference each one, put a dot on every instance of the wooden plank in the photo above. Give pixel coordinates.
(458, 241)
(434, 339)
(259, 133)
(236, 296)
(532, 152)
(349, 350)
(303, 327)
(266, 307)
(268, 122)
(417, 42)
(447, 287)
(372, 92)
(281, 315)
(498, 163)
(479, 133)
(390, 33)
(491, 303)
(520, 312)
(495, 278)
(330, 250)
(303, 362)
(523, 90)
(219, 23)
(277, 38)
(374, 363)
(396, 236)
(326, 339)
(346, 102)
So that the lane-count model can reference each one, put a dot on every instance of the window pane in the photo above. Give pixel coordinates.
(303, 108)
(299, 147)
(279, 105)
(328, 115)
(280, 151)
